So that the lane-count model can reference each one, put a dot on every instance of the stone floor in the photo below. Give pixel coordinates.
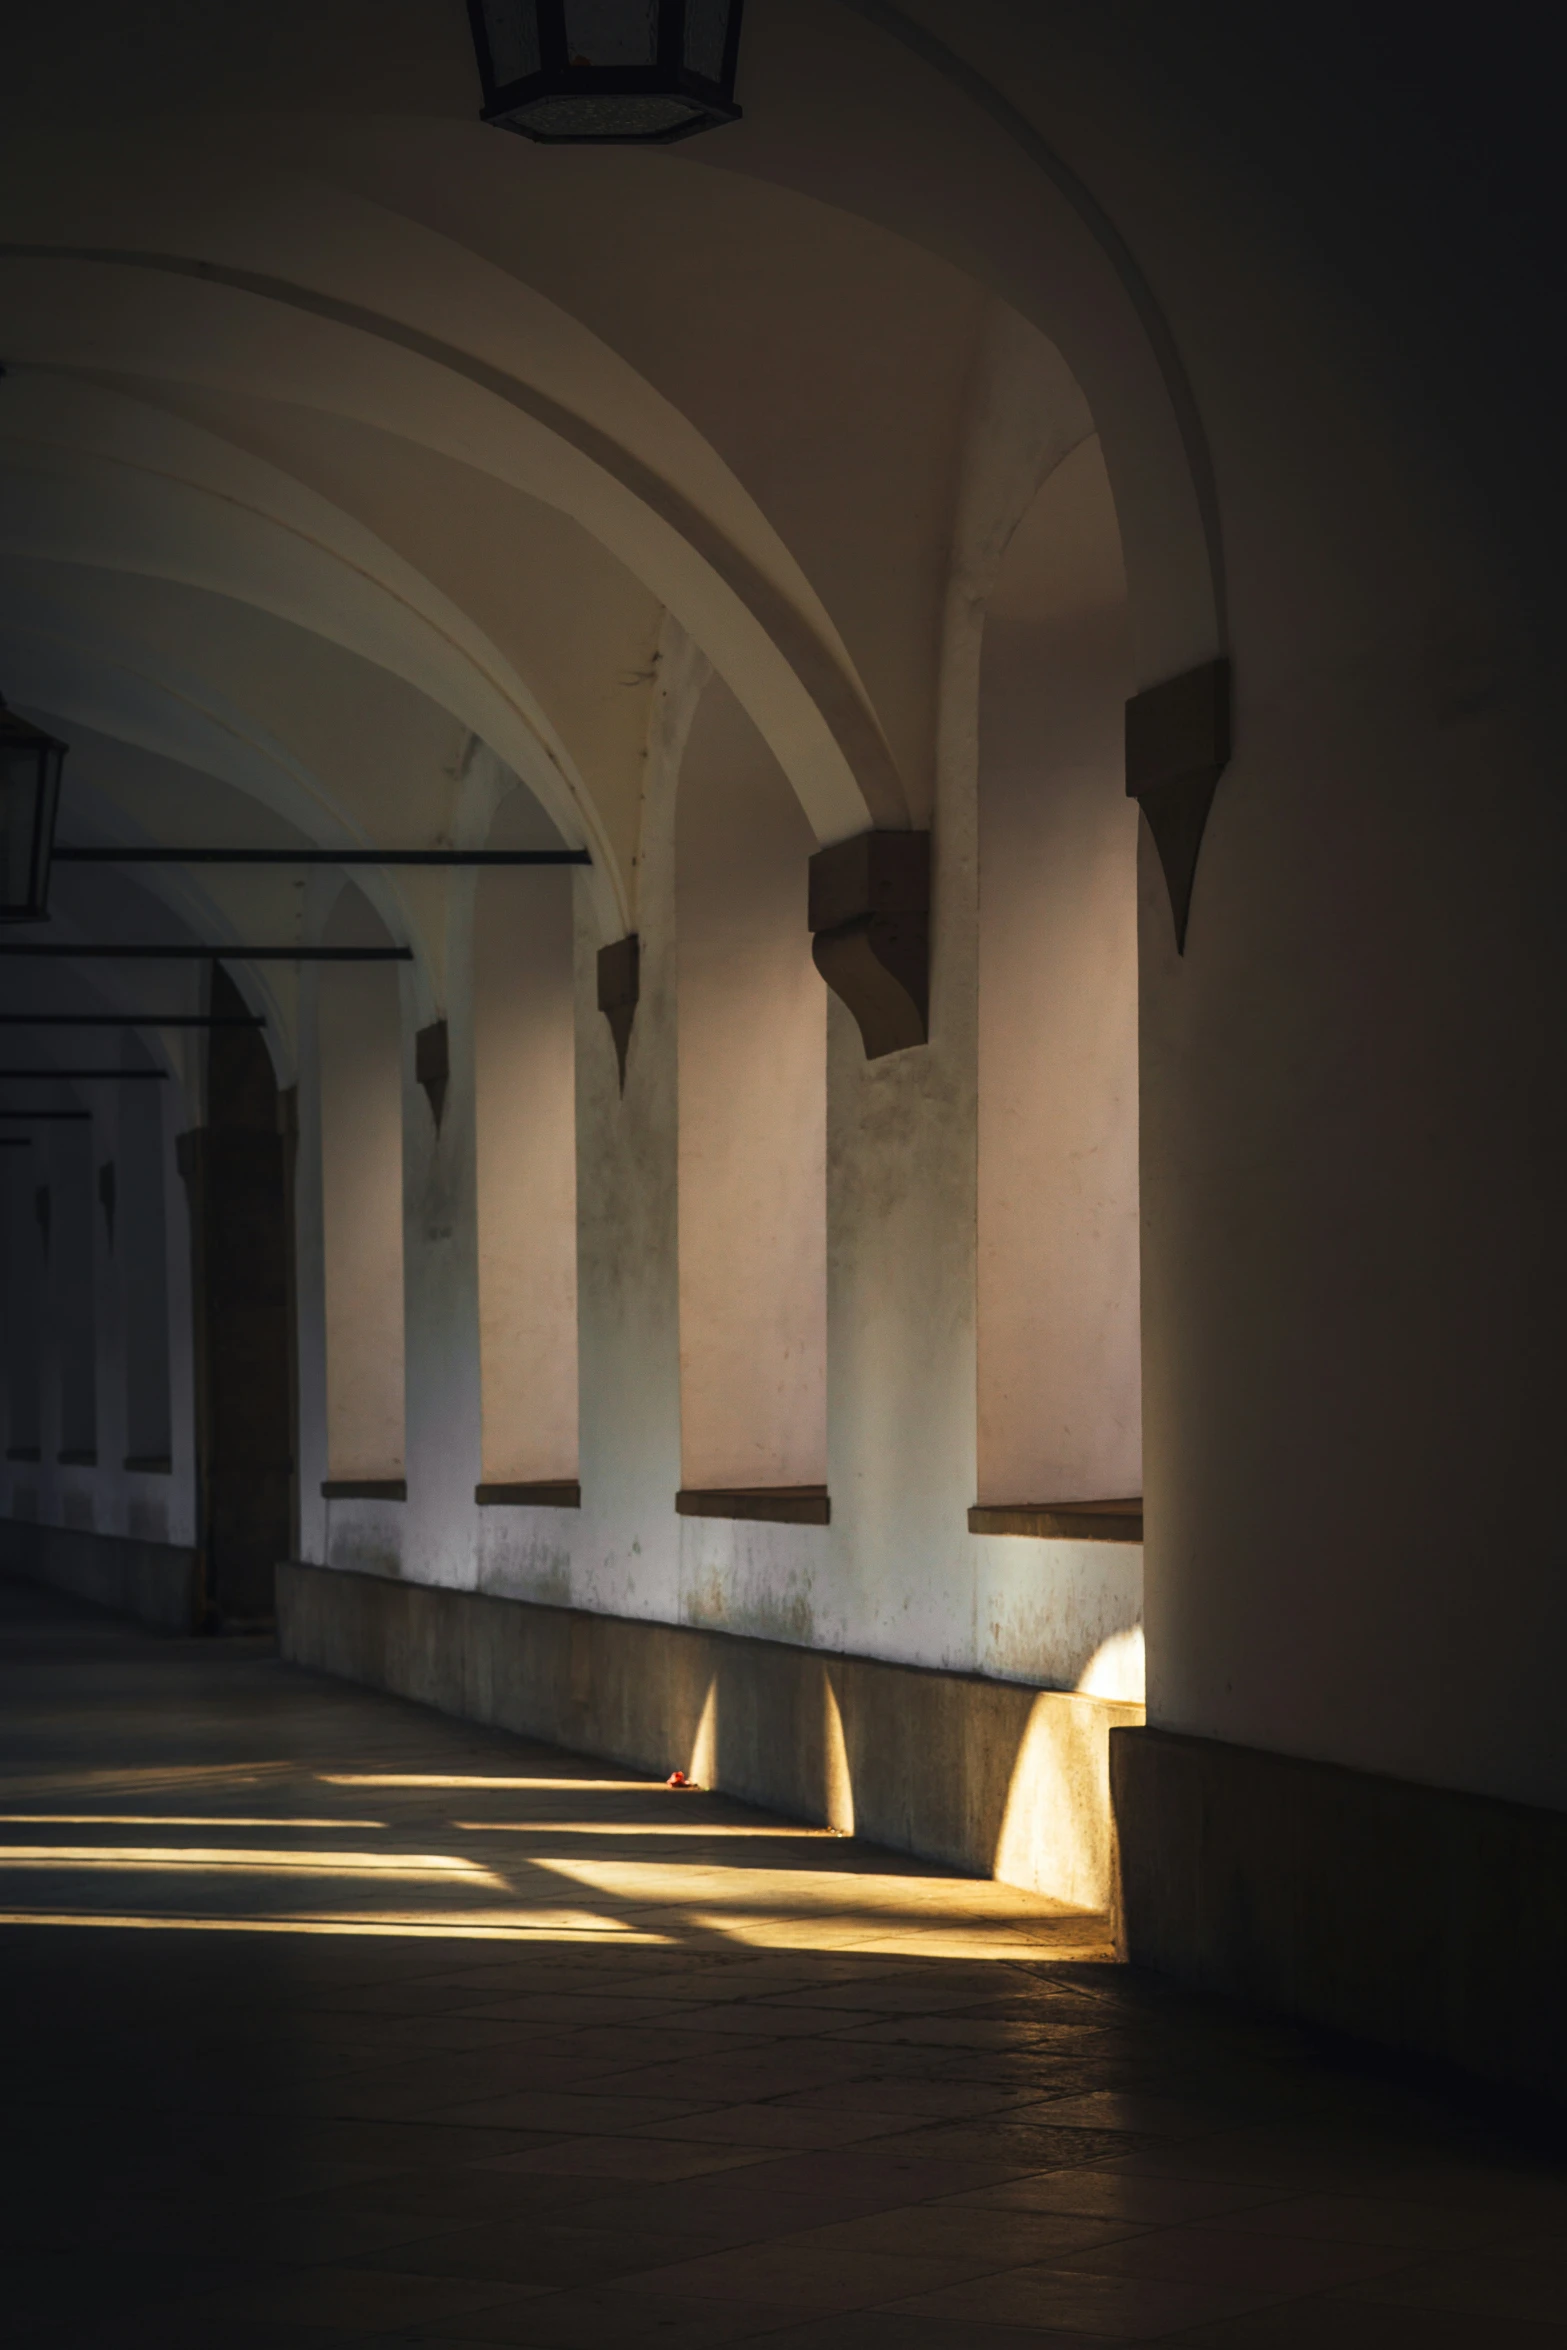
(330, 2022)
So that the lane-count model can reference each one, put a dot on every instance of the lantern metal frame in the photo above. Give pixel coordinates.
(509, 103)
(18, 735)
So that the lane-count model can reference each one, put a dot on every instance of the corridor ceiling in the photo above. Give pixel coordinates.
(343, 436)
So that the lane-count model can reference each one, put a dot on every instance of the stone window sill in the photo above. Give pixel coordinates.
(779, 1505)
(1061, 1521)
(546, 1493)
(77, 1456)
(365, 1489)
(149, 1464)
(25, 1452)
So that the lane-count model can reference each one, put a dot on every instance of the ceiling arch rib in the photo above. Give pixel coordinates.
(159, 316)
(107, 687)
(105, 906)
(94, 479)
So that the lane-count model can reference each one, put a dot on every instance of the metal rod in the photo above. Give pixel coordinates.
(131, 1020)
(198, 856)
(219, 954)
(29, 1115)
(80, 1076)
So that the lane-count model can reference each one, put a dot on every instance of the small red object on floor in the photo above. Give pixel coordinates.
(679, 1779)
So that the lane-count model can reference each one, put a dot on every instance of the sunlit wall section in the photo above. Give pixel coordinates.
(752, 1105)
(362, 1199)
(141, 1241)
(525, 1081)
(1059, 1375)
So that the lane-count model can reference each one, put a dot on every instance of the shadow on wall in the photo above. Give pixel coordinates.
(1006, 1781)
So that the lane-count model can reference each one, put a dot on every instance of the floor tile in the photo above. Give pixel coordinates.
(797, 2275)
(579, 2159)
(608, 2319)
(1125, 2309)
(1111, 2193)
(536, 2253)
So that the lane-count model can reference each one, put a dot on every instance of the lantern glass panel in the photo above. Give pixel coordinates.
(609, 72)
(611, 32)
(30, 764)
(513, 34)
(707, 37)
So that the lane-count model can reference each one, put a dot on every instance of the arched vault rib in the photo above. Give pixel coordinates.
(982, 93)
(199, 512)
(90, 681)
(803, 700)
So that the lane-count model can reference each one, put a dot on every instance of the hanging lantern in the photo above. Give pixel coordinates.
(30, 764)
(607, 72)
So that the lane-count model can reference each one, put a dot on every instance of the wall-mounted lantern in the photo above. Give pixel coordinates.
(613, 73)
(30, 764)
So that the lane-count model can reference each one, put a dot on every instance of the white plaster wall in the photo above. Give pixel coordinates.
(1059, 1329)
(135, 1129)
(751, 1022)
(896, 1574)
(310, 1267)
(24, 1316)
(360, 1075)
(621, 1551)
(75, 1247)
(175, 1494)
(141, 1257)
(525, 1106)
(432, 1535)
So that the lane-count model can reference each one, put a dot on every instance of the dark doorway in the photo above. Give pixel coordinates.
(237, 1170)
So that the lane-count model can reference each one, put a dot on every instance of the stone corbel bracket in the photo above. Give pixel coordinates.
(1177, 747)
(433, 1066)
(870, 934)
(620, 987)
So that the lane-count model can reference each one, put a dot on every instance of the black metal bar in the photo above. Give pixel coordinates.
(219, 954)
(198, 856)
(131, 1020)
(80, 1076)
(30, 1115)
(15, 1142)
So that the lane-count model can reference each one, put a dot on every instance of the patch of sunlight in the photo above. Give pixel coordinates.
(822, 1890)
(161, 1819)
(242, 1859)
(460, 1781)
(1075, 1940)
(840, 1779)
(155, 1775)
(1117, 1669)
(446, 1929)
(634, 1828)
(702, 1765)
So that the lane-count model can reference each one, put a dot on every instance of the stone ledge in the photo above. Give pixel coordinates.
(989, 1777)
(774, 1505)
(1420, 1917)
(547, 1493)
(1060, 1521)
(364, 1489)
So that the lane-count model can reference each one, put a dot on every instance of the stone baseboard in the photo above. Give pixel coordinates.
(1426, 1920)
(157, 1582)
(991, 1778)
